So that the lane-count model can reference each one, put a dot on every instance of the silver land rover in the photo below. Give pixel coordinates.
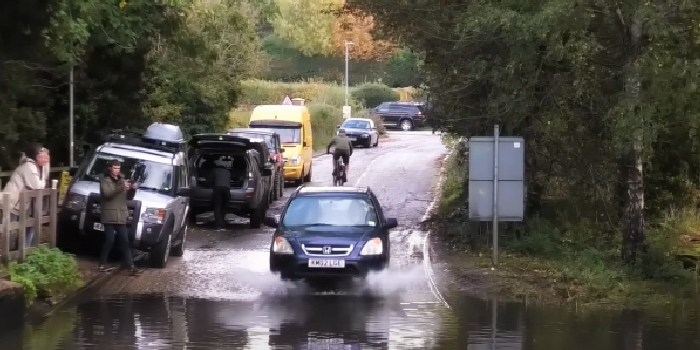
(157, 161)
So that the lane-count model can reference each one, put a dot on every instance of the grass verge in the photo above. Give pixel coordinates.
(47, 274)
(558, 263)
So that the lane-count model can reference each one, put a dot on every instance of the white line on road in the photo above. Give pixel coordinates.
(428, 267)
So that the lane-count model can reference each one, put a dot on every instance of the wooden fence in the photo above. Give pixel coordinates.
(13, 230)
(55, 174)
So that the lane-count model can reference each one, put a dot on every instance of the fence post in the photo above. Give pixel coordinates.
(21, 242)
(38, 216)
(5, 232)
(53, 217)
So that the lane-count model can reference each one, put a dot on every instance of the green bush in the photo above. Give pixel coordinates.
(324, 121)
(372, 94)
(262, 92)
(47, 271)
(403, 70)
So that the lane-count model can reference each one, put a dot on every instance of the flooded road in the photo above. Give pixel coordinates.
(342, 322)
(220, 295)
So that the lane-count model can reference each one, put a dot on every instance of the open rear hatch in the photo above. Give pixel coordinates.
(210, 150)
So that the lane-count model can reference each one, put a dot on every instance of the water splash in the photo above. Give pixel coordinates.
(394, 281)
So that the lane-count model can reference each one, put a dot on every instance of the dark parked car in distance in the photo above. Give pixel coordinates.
(404, 115)
(330, 233)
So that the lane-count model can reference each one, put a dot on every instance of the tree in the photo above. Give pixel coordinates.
(357, 26)
(134, 62)
(601, 90)
(307, 24)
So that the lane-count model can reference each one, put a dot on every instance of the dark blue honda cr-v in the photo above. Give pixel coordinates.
(331, 232)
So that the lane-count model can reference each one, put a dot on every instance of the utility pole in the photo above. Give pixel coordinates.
(494, 224)
(70, 119)
(346, 108)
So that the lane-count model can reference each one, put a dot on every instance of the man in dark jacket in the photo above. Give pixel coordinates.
(113, 191)
(220, 180)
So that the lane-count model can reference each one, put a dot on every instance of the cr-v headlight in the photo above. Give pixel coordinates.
(75, 201)
(373, 247)
(282, 246)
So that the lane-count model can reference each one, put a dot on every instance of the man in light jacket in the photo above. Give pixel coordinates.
(27, 176)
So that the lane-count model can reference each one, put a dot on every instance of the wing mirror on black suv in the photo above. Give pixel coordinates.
(271, 221)
(390, 223)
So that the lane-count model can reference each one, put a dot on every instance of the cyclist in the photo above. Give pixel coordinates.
(343, 148)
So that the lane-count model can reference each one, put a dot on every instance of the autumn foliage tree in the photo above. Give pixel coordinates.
(357, 26)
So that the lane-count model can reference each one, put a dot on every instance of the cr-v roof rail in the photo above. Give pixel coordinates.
(162, 137)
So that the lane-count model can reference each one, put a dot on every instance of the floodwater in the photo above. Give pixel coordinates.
(220, 294)
(351, 322)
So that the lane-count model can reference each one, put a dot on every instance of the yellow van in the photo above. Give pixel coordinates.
(293, 124)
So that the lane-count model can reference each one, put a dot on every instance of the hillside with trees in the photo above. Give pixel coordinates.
(179, 61)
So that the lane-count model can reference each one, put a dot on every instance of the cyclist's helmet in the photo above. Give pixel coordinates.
(341, 131)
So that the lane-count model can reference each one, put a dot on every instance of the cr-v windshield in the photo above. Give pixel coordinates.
(147, 174)
(288, 135)
(304, 211)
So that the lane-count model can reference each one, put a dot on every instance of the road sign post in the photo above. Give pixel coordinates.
(496, 181)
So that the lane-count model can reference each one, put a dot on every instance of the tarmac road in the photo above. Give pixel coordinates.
(221, 292)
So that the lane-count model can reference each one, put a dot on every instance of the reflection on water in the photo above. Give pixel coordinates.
(346, 322)
(299, 322)
(492, 325)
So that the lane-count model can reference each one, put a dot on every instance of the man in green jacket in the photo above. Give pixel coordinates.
(343, 148)
(113, 191)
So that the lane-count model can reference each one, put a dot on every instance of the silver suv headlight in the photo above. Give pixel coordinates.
(153, 216)
(74, 201)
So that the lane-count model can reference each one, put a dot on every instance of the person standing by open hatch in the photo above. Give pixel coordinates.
(219, 179)
(114, 213)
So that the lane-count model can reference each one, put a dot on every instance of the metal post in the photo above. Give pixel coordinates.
(347, 76)
(494, 323)
(70, 119)
(494, 225)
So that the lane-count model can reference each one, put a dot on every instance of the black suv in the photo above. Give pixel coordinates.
(250, 174)
(274, 144)
(404, 115)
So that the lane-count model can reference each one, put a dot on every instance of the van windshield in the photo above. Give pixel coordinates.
(288, 135)
(149, 175)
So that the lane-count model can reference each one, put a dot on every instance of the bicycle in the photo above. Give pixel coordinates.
(339, 178)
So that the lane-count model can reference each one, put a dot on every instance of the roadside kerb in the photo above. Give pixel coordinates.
(94, 284)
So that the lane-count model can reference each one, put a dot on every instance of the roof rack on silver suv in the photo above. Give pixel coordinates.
(162, 137)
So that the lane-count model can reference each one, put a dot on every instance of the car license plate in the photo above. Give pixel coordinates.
(353, 139)
(327, 263)
(98, 226)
